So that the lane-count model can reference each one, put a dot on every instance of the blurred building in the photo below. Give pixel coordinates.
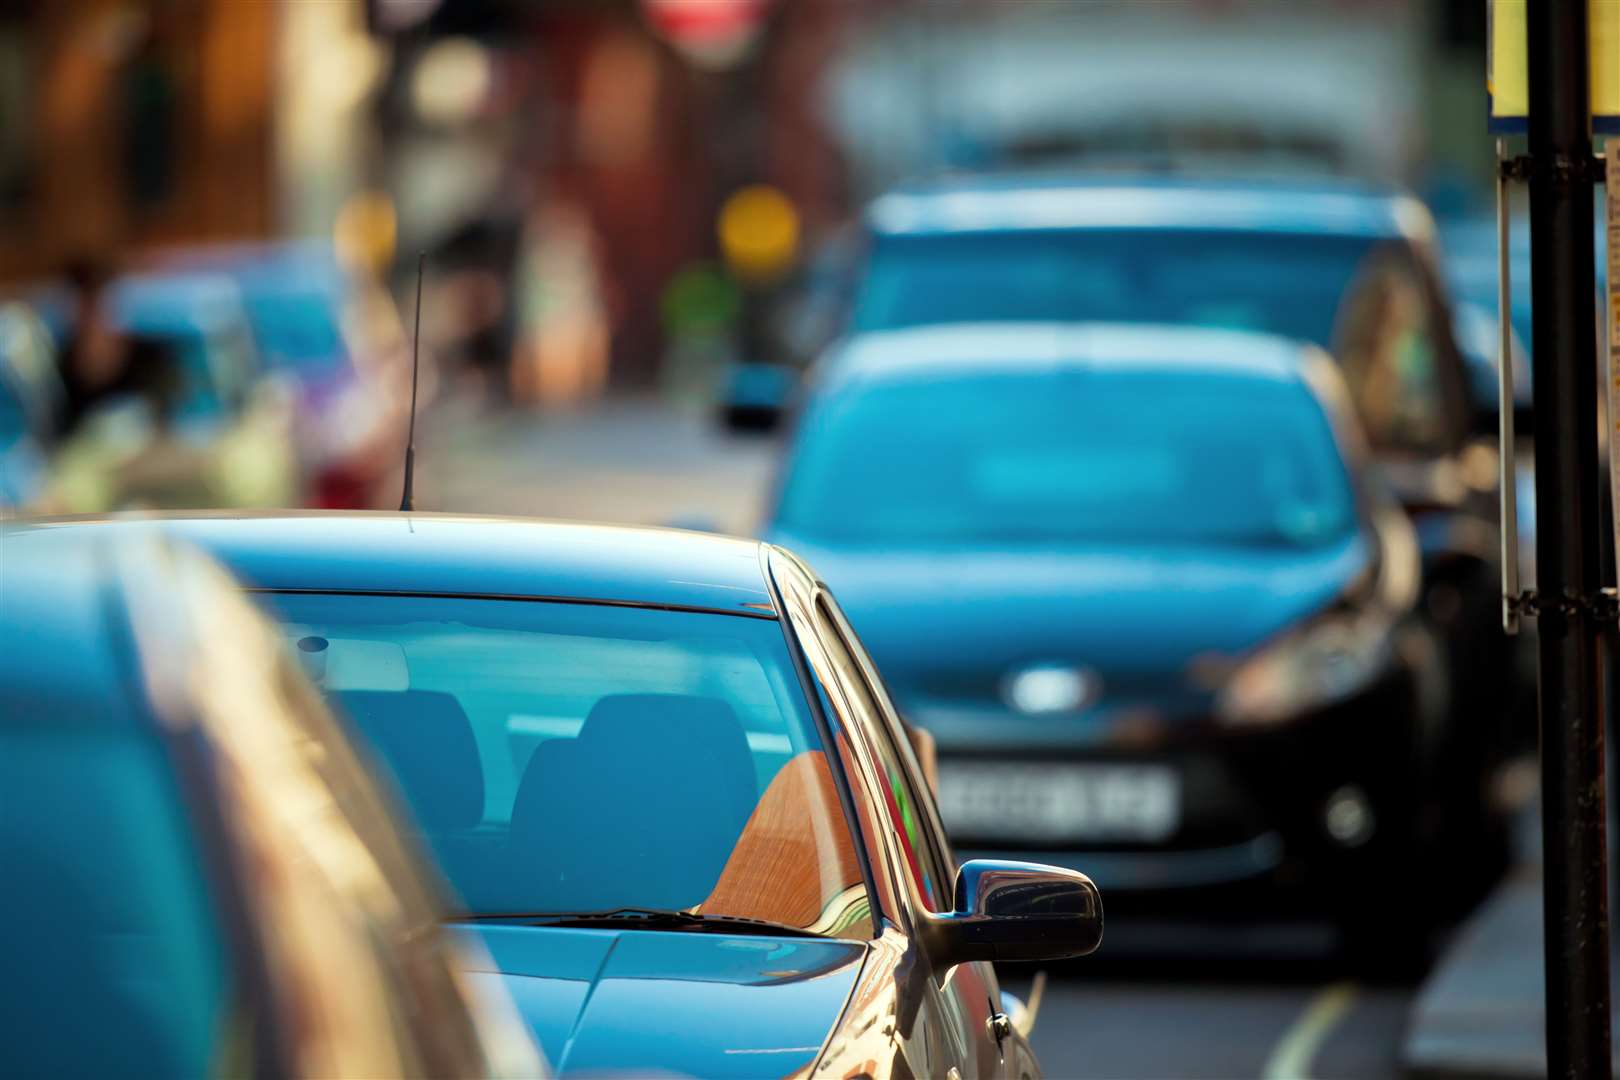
(564, 162)
(132, 124)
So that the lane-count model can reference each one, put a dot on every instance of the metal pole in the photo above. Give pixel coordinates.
(1507, 458)
(1568, 564)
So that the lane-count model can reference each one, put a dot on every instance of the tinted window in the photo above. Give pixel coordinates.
(1033, 457)
(1288, 284)
(575, 757)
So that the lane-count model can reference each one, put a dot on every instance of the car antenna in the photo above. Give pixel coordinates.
(406, 502)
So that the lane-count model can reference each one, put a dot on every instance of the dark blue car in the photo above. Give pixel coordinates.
(667, 787)
(1138, 585)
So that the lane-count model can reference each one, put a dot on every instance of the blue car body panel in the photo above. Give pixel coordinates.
(468, 555)
(635, 1001)
(1144, 615)
(1014, 202)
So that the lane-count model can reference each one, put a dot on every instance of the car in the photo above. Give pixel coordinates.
(224, 436)
(1159, 617)
(663, 778)
(1350, 267)
(200, 877)
(336, 337)
(30, 397)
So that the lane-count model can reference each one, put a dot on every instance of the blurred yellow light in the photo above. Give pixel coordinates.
(759, 232)
(365, 230)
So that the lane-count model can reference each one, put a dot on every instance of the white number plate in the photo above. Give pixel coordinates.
(1016, 801)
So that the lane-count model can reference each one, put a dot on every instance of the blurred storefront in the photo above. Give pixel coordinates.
(131, 124)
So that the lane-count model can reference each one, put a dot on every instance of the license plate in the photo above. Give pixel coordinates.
(1015, 802)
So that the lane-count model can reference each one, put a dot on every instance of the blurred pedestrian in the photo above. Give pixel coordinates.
(101, 364)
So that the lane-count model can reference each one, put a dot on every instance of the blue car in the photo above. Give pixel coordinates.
(335, 337)
(1141, 588)
(667, 787)
(218, 435)
(200, 880)
(1351, 268)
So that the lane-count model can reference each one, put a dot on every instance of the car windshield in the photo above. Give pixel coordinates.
(1069, 456)
(571, 757)
(1287, 284)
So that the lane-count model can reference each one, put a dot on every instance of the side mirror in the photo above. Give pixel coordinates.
(1017, 911)
(755, 396)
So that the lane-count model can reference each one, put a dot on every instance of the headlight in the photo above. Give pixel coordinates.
(1327, 661)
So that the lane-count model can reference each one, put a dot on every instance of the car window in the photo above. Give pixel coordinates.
(1281, 283)
(576, 757)
(903, 795)
(1391, 353)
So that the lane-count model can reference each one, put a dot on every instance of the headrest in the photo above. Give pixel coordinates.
(682, 726)
(425, 739)
(659, 782)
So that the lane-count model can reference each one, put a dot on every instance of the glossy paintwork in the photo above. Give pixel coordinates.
(68, 663)
(444, 553)
(938, 620)
(925, 353)
(709, 1005)
(1014, 202)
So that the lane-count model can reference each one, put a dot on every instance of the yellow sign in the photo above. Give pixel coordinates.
(759, 232)
(1508, 76)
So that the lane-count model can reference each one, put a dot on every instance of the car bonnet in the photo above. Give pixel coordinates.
(636, 1001)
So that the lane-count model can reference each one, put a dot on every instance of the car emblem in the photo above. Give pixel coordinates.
(1051, 688)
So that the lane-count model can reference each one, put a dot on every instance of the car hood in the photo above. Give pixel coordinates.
(639, 1002)
(1139, 613)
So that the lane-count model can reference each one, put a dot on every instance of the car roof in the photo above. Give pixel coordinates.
(450, 554)
(1021, 202)
(927, 352)
(299, 266)
(67, 656)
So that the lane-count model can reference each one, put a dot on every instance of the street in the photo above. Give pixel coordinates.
(1157, 1000)
(714, 538)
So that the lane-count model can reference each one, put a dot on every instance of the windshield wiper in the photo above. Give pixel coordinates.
(638, 918)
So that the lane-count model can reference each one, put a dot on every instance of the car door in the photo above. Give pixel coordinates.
(966, 996)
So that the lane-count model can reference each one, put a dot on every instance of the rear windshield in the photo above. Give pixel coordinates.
(1287, 284)
(564, 758)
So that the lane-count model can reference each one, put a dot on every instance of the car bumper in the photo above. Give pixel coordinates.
(1254, 803)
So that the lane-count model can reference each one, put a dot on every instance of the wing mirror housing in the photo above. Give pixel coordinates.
(755, 396)
(1016, 911)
